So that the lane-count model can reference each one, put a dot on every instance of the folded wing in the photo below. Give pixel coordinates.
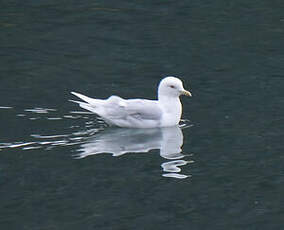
(124, 113)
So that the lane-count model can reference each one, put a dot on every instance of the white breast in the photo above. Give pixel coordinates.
(172, 110)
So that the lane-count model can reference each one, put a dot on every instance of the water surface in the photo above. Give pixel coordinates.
(63, 168)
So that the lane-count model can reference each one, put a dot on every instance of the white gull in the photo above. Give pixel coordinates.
(140, 113)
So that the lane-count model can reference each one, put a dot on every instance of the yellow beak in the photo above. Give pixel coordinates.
(186, 93)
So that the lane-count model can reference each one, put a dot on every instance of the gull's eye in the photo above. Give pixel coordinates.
(172, 86)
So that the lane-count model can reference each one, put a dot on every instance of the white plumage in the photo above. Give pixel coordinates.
(140, 113)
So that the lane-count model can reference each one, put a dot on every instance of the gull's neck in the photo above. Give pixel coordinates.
(163, 97)
(171, 107)
(169, 101)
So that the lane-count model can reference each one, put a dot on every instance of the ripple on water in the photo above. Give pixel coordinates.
(40, 110)
(47, 141)
(76, 135)
(176, 175)
(92, 139)
(54, 118)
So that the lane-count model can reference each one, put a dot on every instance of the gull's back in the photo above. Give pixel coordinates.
(134, 113)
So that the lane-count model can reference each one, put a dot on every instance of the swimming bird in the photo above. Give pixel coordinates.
(140, 113)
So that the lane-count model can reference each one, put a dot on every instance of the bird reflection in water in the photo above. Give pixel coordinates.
(119, 141)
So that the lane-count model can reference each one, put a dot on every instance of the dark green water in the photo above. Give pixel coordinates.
(230, 173)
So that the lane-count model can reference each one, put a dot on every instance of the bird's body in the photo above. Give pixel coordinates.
(140, 113)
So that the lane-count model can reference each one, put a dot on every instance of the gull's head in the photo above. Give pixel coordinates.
(171, 87)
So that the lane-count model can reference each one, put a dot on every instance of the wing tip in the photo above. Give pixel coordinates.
(77, 102)
(74, 93)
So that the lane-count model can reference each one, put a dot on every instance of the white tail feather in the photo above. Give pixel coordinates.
(89, 100)
(87, 107)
